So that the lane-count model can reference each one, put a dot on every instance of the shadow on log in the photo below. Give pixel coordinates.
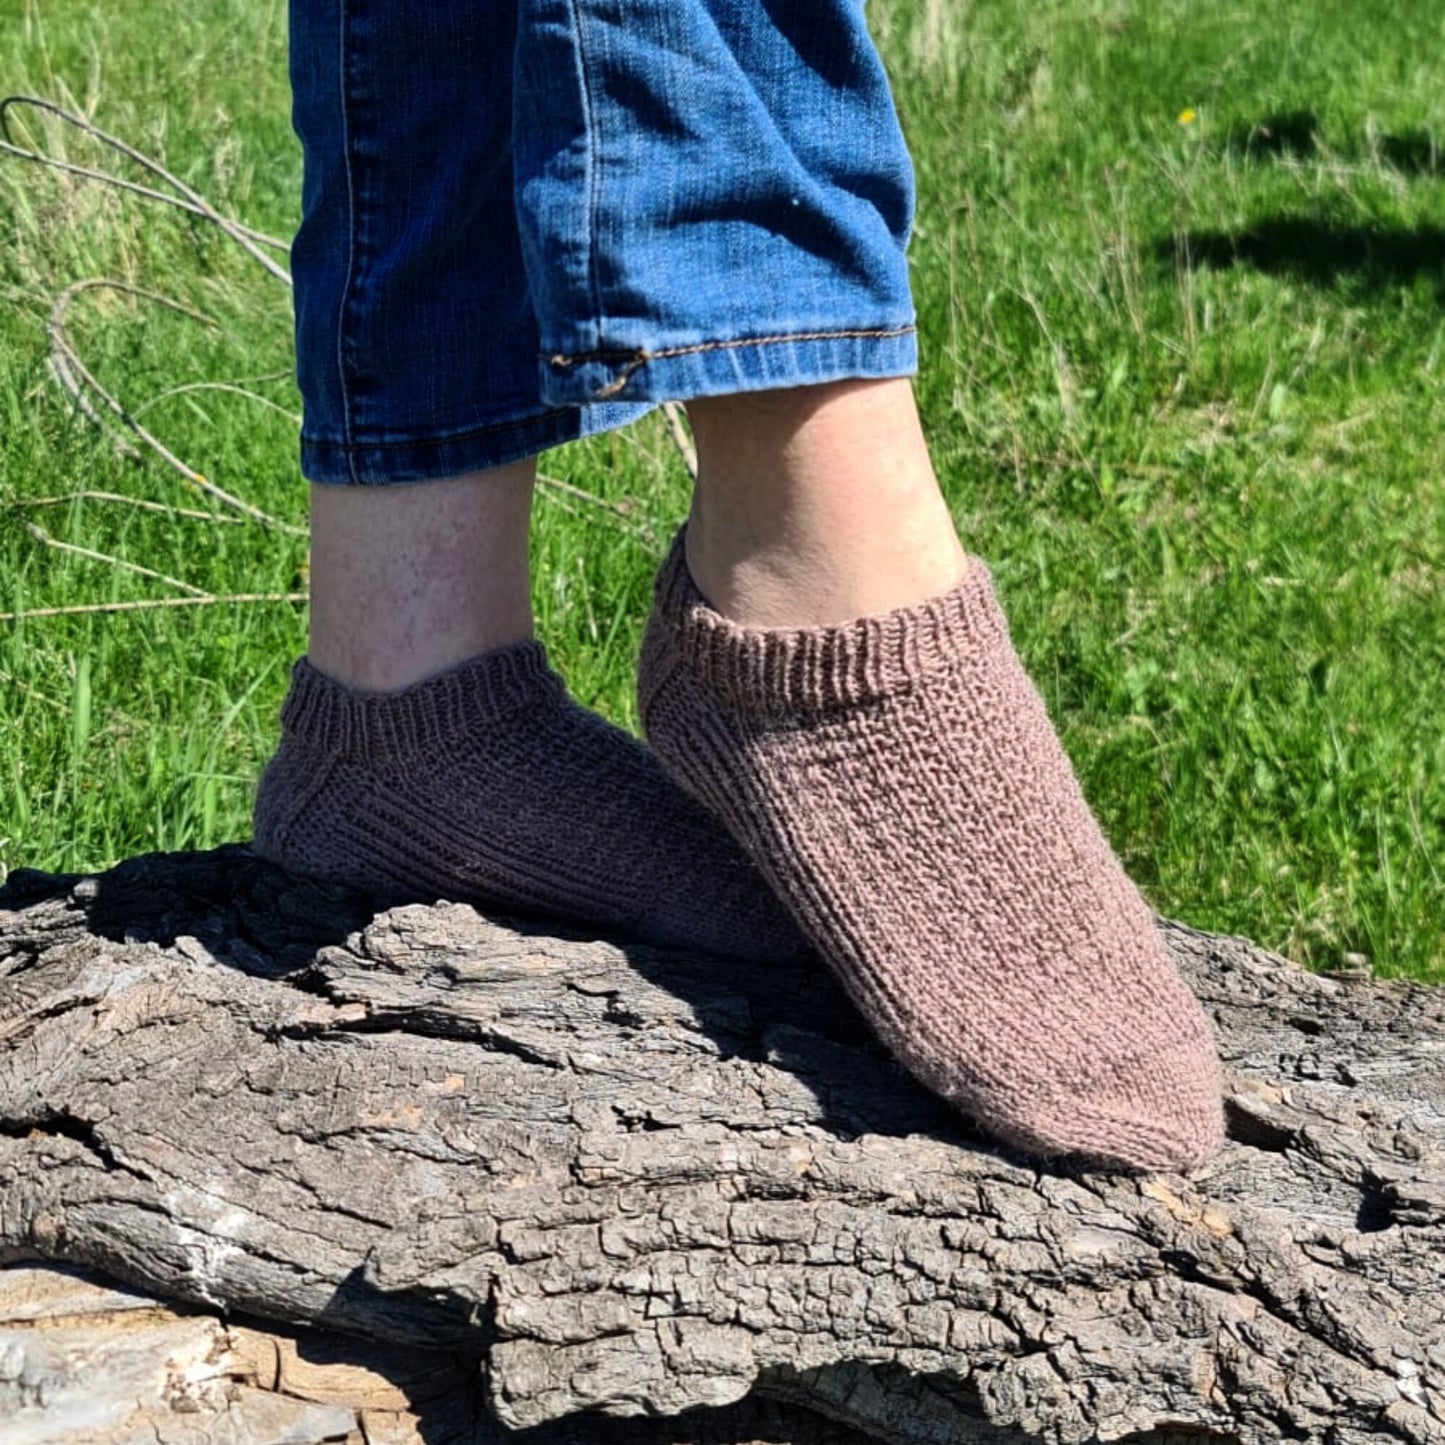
(594, 1180)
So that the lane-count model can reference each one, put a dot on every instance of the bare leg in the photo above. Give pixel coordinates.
(407, 581)
(816, 505)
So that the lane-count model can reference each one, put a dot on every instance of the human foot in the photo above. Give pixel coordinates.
(898, 783)
(487, 784)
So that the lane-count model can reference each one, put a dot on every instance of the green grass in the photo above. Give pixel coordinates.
(1183, 383)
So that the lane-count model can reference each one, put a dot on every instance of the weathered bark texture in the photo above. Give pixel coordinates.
(639, 1183)
(84, 1362)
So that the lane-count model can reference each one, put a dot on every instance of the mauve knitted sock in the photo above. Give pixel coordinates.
(488, 785)
(897, 781)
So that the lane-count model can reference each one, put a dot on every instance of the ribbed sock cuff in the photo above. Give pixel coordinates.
(758, 669)
(431, 718)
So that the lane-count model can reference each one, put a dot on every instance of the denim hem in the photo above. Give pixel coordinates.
(713, 368)
(384, 461)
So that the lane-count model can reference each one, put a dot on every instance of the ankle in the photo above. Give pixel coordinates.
(822, 580)
(817, 505)
(409, 581)
(399, 659)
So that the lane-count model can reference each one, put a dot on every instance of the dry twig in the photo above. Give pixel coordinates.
(229, 387)
(681, 437)
(183, 197)
(71, 371)
(145, 604)
(87, 495)
(617, 509)
(44, 537)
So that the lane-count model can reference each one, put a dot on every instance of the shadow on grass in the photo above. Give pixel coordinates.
(1320, 252)
(1296, 134)
(1414, 153)
(1290, 133)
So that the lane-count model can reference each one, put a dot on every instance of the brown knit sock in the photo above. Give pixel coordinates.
(897, 781)
(488, 785)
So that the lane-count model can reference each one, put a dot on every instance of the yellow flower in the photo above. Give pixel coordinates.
(1186, 116)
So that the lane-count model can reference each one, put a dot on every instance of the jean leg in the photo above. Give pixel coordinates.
(713, 196)
(416, 335)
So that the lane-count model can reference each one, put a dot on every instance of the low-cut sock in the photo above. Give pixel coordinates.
(487, 784)
(897, 781)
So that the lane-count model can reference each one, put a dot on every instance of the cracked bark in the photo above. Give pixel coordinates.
(638, 1183)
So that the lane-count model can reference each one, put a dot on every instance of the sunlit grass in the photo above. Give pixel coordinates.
(1182, 379)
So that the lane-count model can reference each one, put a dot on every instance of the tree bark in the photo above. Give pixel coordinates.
(610, 1179)
(84, 1362)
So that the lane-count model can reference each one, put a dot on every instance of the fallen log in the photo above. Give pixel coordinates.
(85, 1362)
(636, 1183)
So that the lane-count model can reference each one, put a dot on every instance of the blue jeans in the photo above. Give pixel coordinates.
(528, 220)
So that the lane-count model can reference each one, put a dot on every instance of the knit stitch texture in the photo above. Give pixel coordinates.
(488, 785)
(897, 781)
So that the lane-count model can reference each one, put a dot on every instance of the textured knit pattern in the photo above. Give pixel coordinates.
(487, 785)
(898, 782)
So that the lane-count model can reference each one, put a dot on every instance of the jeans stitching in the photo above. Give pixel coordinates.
(640, 356)
(591, 161)
(348, 422)
(429, 440)
(632, 362)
